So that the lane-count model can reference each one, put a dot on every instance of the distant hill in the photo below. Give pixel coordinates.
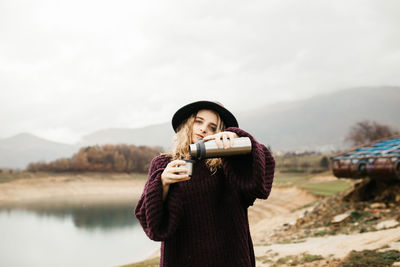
(21, 149)
(317, 123)
(320, 122)
(323, 120)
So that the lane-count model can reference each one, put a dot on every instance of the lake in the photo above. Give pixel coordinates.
(72, 234)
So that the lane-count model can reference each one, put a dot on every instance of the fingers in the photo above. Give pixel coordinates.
(225, 141)
(209, 137)
(176, 163)
(222, 139)
(175, 170)
(218, 141)
(173, 173)
(176, 178)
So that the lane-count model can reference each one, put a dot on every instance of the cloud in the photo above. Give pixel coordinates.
(72, 67)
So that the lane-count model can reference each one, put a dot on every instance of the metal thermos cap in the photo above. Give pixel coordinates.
(209, 149)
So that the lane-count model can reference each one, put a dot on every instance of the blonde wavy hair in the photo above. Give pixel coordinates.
(183, 138)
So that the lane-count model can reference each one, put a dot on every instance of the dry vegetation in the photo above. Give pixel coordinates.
(307, 162)
(107, 158)
(341, 215)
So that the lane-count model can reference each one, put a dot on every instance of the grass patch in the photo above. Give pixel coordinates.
(371, 258)
(310, 258)
(154, 262)
(294, 260)
(328, 188)
(321, 233)
(290, 179)
(264, 259)
(287, 259)
(358, 215)
(304, 181)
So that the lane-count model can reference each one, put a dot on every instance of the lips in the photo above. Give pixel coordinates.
(199, 136)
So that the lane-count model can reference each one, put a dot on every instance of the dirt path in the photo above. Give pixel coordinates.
(282, 206)
(332, 246)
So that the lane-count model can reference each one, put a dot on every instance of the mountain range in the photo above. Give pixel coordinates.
(318, 123)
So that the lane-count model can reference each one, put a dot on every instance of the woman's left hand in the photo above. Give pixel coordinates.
(223, 139)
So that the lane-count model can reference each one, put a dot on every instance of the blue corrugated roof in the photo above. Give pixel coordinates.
(387, 147)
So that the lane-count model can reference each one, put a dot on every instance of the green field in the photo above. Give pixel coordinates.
(320, 187)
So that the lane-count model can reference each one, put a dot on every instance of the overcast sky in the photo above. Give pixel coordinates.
(68, 68)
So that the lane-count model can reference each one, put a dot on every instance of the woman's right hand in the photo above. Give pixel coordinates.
(173, 173)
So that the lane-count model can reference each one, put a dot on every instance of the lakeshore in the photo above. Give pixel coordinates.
(275, 223)
(72, 187)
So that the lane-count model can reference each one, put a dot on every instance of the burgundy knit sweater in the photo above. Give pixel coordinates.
(203, 221)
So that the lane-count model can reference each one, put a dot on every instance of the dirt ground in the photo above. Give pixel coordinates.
(276, 221)
(78, 187)
(282, 206)
(273, 222)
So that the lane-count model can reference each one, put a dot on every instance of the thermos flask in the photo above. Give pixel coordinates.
(209, 149)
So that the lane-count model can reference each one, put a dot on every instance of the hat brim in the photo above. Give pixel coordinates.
(184, 112)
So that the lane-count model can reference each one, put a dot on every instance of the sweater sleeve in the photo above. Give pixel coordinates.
(158, 218)
(252, 175)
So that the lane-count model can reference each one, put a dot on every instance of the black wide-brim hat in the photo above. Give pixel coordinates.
(184, 112)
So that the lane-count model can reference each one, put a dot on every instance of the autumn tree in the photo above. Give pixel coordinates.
(107, 158)
(119, 162)
(79, 161)
(366, 131)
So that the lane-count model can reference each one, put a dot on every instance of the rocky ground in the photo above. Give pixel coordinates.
(349, 229)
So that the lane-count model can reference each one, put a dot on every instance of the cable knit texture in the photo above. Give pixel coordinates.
(203, 221)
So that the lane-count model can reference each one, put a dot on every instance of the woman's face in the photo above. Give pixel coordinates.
(204, 124)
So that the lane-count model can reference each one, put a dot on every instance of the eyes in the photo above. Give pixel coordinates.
(211, 127)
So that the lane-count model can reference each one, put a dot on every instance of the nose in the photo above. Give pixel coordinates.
(202, 129)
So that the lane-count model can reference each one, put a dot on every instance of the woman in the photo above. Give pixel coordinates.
(202, 220)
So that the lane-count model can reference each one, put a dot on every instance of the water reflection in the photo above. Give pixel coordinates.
(85, 214)
(53, 233)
